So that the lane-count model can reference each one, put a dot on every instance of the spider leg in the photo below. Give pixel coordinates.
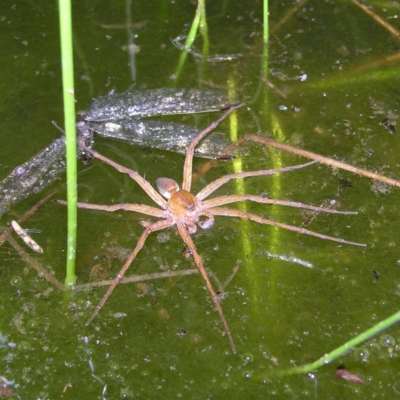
(156, 197)
(223, 200)
(313, 156)
(187, 168)
(242, 214)
(213, 186)
(152, 228)
(207, 223)
(199, 262)
(139, 208)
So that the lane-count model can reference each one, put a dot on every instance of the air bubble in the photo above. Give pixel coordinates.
(16, 281)
(24, 345)
(113, 366)
(247, 375)
(288, 391)
(374, 347)
(112, 374)
(27, 379)
(396, 387)
(33, 323)
(125, 393)
(387, 341)
(265, 355)
(361, 355)
(247, 358)
(163, 237)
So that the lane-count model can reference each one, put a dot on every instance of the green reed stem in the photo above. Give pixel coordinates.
(199, 21)
(348, 346)
(265, 38)
(265, 22)
(203, 27)
(70, 133)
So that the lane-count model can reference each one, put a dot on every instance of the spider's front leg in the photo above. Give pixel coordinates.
(187, 168)
(155, 196)
(208, 222)
(139, 208)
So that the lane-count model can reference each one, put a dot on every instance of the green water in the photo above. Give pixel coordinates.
(165, 340)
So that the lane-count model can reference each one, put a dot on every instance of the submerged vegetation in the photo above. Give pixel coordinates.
(323, 88)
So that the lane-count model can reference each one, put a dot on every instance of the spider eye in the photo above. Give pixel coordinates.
(190, 207)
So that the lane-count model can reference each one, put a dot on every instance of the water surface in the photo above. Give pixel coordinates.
(294, 297)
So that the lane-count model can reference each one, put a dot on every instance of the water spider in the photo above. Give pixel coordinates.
(180, 208)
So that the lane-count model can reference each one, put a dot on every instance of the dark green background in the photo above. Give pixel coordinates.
(281, 313)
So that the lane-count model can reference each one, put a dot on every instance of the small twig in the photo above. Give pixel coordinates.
(273, 87)
(317, 157)
(222, 286)
(34, 264)
(8, 231)
(287, 16)
(135, 25)
(25, 237)
(230, 277)
(138, 278)
(375, 64)
(378, 19)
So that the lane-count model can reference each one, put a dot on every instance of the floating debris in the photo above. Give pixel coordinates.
(388, 126)
(342, 373)
(119, 117)
(26, 238)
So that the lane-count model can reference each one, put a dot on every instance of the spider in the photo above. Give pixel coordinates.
(186, 211)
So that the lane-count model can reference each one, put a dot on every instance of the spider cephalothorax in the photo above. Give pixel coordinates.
(183, 206)
(180, 208)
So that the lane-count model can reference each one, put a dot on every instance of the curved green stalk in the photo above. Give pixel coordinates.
(70, 133)
(198, 22)
(348, 346)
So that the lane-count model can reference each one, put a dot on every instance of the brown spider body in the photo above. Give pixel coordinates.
(180, 208)
(183, 206)
(183, 203)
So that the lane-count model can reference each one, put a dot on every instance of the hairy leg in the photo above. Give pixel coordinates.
(223, 200)
(187, 168)
(227, 212)
(155, 196)
(152, 228)
(213, 186)
(199, 262)
(139, 208)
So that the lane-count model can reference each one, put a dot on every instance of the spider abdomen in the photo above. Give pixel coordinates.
(167, 187)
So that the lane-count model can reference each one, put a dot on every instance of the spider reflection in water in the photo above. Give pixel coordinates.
(181, 208)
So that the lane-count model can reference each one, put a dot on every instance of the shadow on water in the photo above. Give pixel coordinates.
(293, 298)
